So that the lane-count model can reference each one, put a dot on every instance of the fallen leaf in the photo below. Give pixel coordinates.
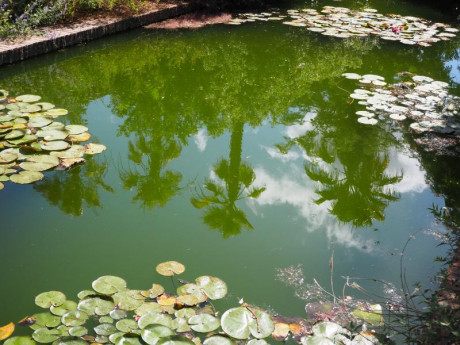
(6, 331)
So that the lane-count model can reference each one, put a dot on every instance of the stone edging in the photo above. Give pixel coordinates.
(74, 34)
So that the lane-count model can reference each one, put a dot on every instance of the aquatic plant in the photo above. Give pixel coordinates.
(112, 313)
(343, 22)
(32, 140)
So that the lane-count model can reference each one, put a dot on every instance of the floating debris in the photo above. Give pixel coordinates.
(31, 141)
(343, 22)
(426, 102)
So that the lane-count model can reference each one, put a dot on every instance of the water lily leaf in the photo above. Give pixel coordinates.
(22, 340)
(25, 177)
(187, 300)
(57, 145)
(257, 342)
(28, 138)
(147, 307)
(28, 98)
(45, 335)
(33, 166)
(70, 341)
(74, 318)
(166, 300)
(152, 333)
(52, 134)
(367, 121)
(365, 338)
(15, 134)
(92, 148)
(85, 293)
(175, 340)
(170, 268)
(108, 285)
(372, 315)
(2, 186)
(96, 306)
(105, 329)
(180, 324)
(185, 313)
(50, 298)
(6, 157)
(155, 291)
(31, 109)
(126, 325)
(55, 125)
(57, 112)
(39, 121)
(128, 339)
(218, 340)
(118, 314)
(325, 333)
(76, 129)
(45, 106)
(106, 319)
(101, 339)
(75, 151)
(242, 321)
(6, 331)
(128, 299)
(78, 331)
(66, 163)
(213, 287)
(204, 323)
(154, 318)
(79, 138)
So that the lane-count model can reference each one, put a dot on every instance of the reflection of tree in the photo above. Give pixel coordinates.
(154, 185)
(219, 200)
(348, 161)
(71, 190)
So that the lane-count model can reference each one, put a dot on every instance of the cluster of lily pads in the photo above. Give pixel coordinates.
(32, 140)
(425, 101)
(344, 23)
(111, 313)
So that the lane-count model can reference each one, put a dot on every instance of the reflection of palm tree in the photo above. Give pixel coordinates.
(236, 177)
(359, 196)
(154, 186)
(71, 189)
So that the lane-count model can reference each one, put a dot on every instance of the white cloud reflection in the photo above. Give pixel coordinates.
(201, 139)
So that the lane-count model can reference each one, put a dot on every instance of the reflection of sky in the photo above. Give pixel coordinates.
(201, 139)
(454, 66)
(289, 186)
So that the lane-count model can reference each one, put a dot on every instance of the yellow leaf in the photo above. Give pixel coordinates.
(6, 331)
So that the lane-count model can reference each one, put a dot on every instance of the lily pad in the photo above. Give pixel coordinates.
(154, 318)
(39, 121)
(218, 340)
(126, 325)
(79, 138)
(128, 299)
(26, 139)
(152, 333)
(57, 112)
(63, 308)
(74, 318)
(204, 323)
(75, 151)
(170, 268)
(52, 134)
(78, 331)
(105, 329)
(45, 106)
(367, 121)
(213, 287)
(21, 340)
(25, 177)
(240, 322)
(45, 335)
(108, 285)
(70, 341)
(28, 98)
(180, 324)
(76, 129)
(57, 145)
(372, 315)
(127, 339)
(96, 306)
(47, 320)
(175, 340)
(147, 307)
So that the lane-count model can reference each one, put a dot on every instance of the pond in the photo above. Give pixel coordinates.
(236, 151)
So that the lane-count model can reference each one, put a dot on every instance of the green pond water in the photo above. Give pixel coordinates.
(240, 108)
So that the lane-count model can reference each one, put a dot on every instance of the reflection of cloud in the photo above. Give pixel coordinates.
(201, 139)
(274, 153)
(297, 130)
(413, 177)
(295, 190)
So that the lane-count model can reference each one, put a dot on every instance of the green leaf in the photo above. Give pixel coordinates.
(213, 287)
(78, 331)
(170, 268)
(242, 321)
(50, 298)
(108, 285)
(128, 339)
(218, 340)
(152, 333)
(204, 323)
(74, 318)
(105, 329)
(24, 177)
(126, 325)
(47, 320)
(175, 340)
(63, 308)
(45, 335)
(70, 341)
(96, 305)
(372, 315)
(21, 340)
(154, 318)
(28, 98)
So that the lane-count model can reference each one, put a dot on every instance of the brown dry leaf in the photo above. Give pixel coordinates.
(66, 163)
(296, 328)
(281, 331)
(27, 321)
(6, 331)
(165, 300)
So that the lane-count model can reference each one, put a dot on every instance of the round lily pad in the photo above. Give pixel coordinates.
(126, 325)
(15, 134)
(70, 341)
(63, 308)
(33, 166)
(21, 340)
(154, 318)
(79, 138)
(47, 320)
(96, 306)
(170, 268)
(7, 157)
(108, 285)
(28, 98)
(105, 329)
(75, 151)
(213, 287)
(74, 318)
(57, 145)
(175, 340)
(152, 333)
(50, 298)
(93, 148)
(155, 291)
(105, 319)
(204, 323)
(240, 322)
(367, 121)
(45, 335)
(127, 339)
(147, 307)
(76, 129)
(26, 139)
(57, 112)
(45, 106)
(78, 331)
(118, 314)
(52, 134)
(180, 324)
(39, 121)
(218, 340)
